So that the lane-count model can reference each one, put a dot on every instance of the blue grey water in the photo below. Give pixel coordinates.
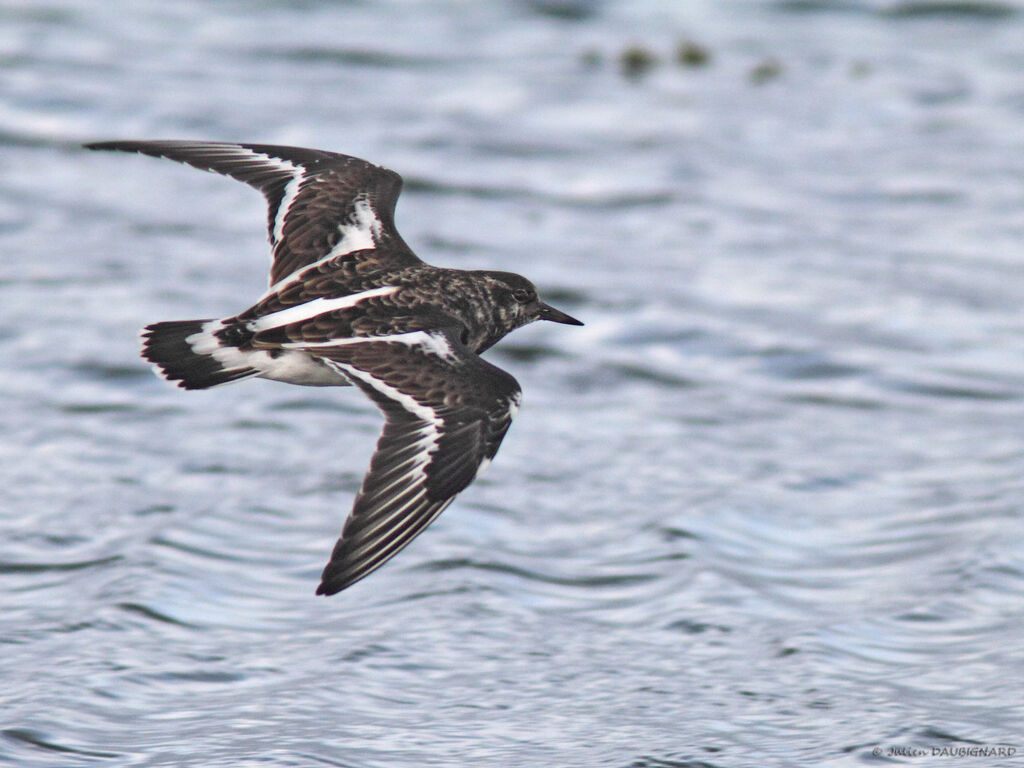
(765, 509)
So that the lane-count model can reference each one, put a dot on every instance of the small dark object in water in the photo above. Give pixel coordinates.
(636, 61)
(769, 69)
(691, 54)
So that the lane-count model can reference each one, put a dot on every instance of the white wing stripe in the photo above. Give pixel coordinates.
(315, 307)
(362, 234)
(432, 343)
(291, 191)
(358, 235)
(413, 406)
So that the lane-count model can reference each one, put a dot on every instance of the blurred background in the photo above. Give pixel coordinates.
(763, 510)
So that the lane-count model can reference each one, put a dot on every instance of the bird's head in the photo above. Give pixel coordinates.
(516, 302)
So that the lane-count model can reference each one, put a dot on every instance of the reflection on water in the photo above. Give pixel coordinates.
(762, 510)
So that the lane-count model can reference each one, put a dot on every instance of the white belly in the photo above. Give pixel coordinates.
(296, 367)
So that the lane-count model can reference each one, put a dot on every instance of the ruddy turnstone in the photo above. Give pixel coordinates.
(349, 303)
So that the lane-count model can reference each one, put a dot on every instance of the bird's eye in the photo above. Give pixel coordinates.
(522, 295)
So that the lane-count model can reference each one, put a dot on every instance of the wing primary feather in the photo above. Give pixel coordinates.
(339, 575)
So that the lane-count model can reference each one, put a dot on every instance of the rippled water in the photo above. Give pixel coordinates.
(763, 510)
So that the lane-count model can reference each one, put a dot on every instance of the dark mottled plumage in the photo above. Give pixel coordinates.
(349, 303)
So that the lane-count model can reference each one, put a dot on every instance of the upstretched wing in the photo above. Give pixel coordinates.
(321, 204)
(446, 412)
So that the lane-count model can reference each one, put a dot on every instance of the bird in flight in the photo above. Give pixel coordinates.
(350, 304)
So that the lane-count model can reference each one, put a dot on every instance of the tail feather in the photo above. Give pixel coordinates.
(189, 352)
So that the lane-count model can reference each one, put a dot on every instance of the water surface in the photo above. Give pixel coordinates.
(763, 510)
